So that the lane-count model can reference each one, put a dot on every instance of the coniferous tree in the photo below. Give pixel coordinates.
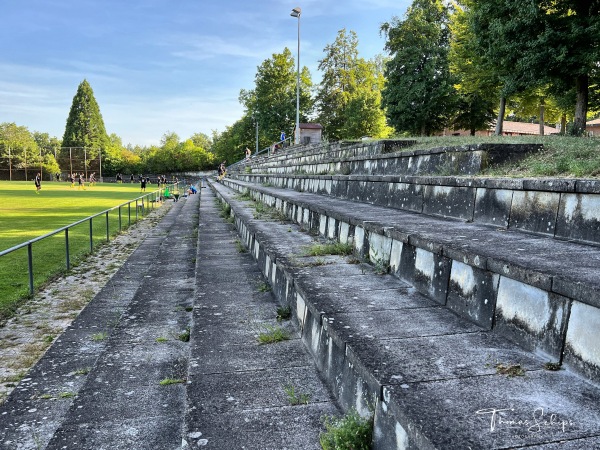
(85, 127)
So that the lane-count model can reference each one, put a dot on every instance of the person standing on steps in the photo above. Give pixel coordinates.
(38, 183)
(222, 171)
(248, 153)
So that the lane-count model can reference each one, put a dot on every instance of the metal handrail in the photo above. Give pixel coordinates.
(65, 229)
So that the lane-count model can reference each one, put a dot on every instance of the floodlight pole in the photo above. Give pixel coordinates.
(296, 12)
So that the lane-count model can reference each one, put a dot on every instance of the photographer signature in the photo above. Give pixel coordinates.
(538, 422)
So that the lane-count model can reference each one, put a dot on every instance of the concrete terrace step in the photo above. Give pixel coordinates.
(432, 378)
(541, 292)
(561, 208)
(385, 158)
(236, 391)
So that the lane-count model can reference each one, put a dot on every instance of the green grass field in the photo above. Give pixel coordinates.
(25, 215)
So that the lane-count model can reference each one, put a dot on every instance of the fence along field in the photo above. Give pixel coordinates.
(25, 215)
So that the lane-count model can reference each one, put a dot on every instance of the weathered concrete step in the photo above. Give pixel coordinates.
(81, 392)
(385, 158)
(236, 390)
(564, 209)
(540, 292)
(381, 352)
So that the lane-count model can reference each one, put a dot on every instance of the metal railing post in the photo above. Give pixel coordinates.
(30, 264)
(107, 232)
(67, 249)
(119, 218)
(129, 212)
(91, 235)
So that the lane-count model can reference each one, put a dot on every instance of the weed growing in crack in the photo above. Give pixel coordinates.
(318, 262)
(97, 337)
(185, 335)
(265, 212)
(264, 287)
(245, 196)
(381, 267)
(273, 334)
(296, 398)
(284, 313)
(169, 381)
(350, 432)
(240, 246)
(331, 248)
(552, 366)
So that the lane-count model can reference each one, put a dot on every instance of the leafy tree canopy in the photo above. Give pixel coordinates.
(272, 102)
(534, 44)
(349, 96)
(419, 96)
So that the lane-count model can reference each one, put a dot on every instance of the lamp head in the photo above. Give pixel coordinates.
(296, 12)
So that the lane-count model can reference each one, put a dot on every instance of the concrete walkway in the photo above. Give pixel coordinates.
(166, 357)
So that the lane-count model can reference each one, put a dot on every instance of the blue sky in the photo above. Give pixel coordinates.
(156, 65)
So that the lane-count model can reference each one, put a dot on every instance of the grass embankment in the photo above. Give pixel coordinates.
(25, 215)
(563, 156)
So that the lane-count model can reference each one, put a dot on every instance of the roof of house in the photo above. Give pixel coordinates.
(593, 122)
(525, 128)
(311, 126)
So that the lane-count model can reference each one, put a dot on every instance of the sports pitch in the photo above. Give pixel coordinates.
(25, 215)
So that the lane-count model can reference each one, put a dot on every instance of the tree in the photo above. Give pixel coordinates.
(46, 143)
(49, 148)
(273, 100)
(349, 96)
(229, 145)
(201, 140)
(363, 115)
(543, 42)
(113, 161)
(419, 96)
(19, 148)
(334, 91)
(476, 85)
(85, 127)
